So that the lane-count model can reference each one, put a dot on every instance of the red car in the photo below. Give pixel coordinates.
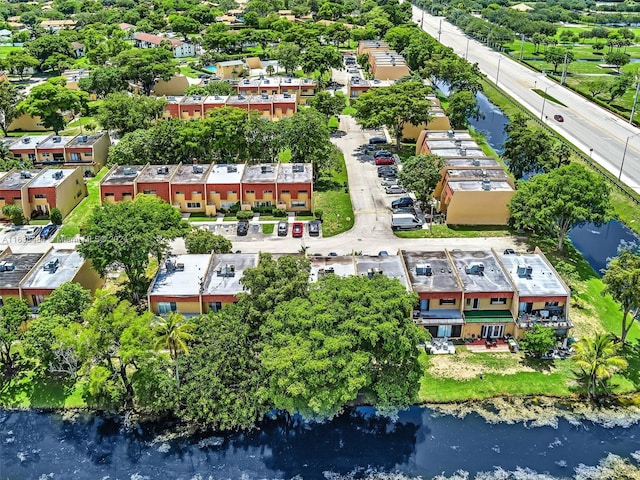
(385, 161)
(298, 229)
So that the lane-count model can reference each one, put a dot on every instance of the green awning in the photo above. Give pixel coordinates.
(488, 316)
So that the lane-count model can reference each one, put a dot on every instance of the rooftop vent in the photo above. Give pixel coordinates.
(246, 81)
(171, 99)
(475, 269)
(298, 168)
(450, 133)
(83, 138)
(476, 162)
(196, 97)
(179, 267)
(288, 80)
(458, 143)
(52, 265)
(6, 266)
(232, 168)
(486, 185)
(129, 171)
(58, 174)
(528, 270)
(264, 96)
(163, 170)
(484, 172)
(287, 95)
(25, 174)
(240, 96)
(198, 169)
(266, 81)
(57, 139)
(374, 271)
(26, 139)
(228, 270)
(266, 169)
(217, 97)
(424, 269)
(463, 152)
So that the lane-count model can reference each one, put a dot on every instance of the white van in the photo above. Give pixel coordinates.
(405, 221)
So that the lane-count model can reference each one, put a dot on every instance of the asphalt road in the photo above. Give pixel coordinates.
(586, 125)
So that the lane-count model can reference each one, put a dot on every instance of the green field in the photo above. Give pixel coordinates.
(5, 49)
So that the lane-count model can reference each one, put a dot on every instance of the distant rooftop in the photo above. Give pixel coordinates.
(18, 179)
(225, 272)
(479, 185)
(85, 140)
(391, 266)
(180, 275)
(532, 275)
(230, 63)
(226, 173)
(480, 271)
(8, 141)
(196, 173)
(431, 272)
(22, 263)
(55, 141)
(192, 100)
(295, 173)
(261, 173)
(480, 161)
(216, 99)
(122, 175)
(444, 151)
(448, 135)
(342, 266)
(65, 262)
(156, 173)
(52, 177)
(490, 173)
(28, 142)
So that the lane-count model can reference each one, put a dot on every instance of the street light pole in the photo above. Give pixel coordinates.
(624, 154)
(635, 100)
(521, 45)
(422, 21)
(498, 73)
(439, 30)
(544, 101)
(466, 53)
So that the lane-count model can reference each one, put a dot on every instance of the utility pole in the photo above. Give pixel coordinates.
(498, 72)
(564, 69)
(422, 21)
(466, 53)
(440, 30)
(521, 45)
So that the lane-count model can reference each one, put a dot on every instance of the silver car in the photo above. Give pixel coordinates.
(394, 189)
(389, 181)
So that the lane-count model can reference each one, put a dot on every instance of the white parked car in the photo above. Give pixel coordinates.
(389, 181)
(32, 233)
(395, 189)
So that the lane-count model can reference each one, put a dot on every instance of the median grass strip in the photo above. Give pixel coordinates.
(76, 219)
(543, 94)
(332, 197)
(462, 231)
(267, 228)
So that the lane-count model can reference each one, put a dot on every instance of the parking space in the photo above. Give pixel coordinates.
(17, 236)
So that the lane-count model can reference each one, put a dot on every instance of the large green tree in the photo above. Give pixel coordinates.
(126, 234)
(104, 80)
(321, 58)
(9, 99)
(330, 105)
(555, 202)
(172, 333)
(50, 101)
(557, 55)
(265, 139)
(597, 359)
(19, 61)
(199, 240)
(622, 281)
(49, 44)
(69, 300)
(125, 113)
(395, 106)
(462, 106)
(421, 174)
(146, 66)
(527, 149)
(288, 56)
(316, 149)
(538, 340)
(13, 315)
(351, 336)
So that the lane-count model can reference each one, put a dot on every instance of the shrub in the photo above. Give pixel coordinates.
(56, 216)
(279, 212)
(262, 209)
(234, 208)
(244, 215)
(318, 213)
(14, 212)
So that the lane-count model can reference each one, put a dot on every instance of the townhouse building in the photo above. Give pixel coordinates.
(224, 187)
(179, 48)
(188, 188)
(193, 107)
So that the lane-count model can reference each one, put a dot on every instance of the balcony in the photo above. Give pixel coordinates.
(547, 320)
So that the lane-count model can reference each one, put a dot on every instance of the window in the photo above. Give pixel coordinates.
(196, 193)
(166, 307)
(17, 199)
(261, 204)
(88, 154)
(444, 330)
(298, 204)
(285, 192)
(551, 304)
(75, 157)
(302, 192)
(32, 156)
(39, 195)
(447, 301)
(37, 299)
(498, 301)
(193, 204)
(215, 306)
(110, 194)
(179, 193)
(249, 192)
(46, 154)
(149, 192)
(267, 192)
(77, 182)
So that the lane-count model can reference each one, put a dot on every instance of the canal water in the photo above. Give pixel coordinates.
(596, 243)
(354, 445)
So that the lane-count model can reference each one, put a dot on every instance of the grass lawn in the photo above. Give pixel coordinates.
(25, 390)
(334, 201)
(80, 214)
(267, 228)
(187, 71)
(449, 231)
(5, 49)
(548, 97)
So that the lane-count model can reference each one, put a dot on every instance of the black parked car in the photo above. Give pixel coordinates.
(402, 202)
(314, 228)
(243, 228)
(48, 231)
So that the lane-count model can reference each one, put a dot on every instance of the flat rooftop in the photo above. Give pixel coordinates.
(249, 82)
(18, 179)
(85, 140)
(284, 97)
(456, 152)
(342, 266)
(8, 141)
(52, 177)
(451, 143)
(216, 99)
(184, 281)
(225, 272)
(191, 173)
(239, 99)
(479, 185)
(174, 99)
(226, 173)
(260, 173)
(192, 100)
(492, 173)
(122, 175)
(263, 98)
(431, 272)
(492, 278)
(156, 173)
(56, 141)
(391, 266)
(28, 142)
(540, 280)
(295, 173)
(480, 161)
(69, 262)
(23, 263)
(448, 135)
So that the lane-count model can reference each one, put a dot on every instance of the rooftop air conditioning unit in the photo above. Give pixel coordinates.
(329, 270)
(58, 174)
(170, 266)
(476, 162)
(57, 139)
(266, 169)
(246, 81)
(179, 267)
(26, 140)
(232, 168)
(425, 270)
(522, 271)
(128, 171)
(163, 170)
(25, 174)
(264, 96)
(266, 81)
(226, 271)
(171, 99)
(463, 152)
(298, 168)
(52, 265)
(475, 269)
(450, 133)
(458, 143)
(287, 95)
(528, 270)
(83, 139)
(486, 185)
(198, 169)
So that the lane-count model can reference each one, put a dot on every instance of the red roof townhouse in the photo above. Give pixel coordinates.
(295, 186)
(188, 188)
(155, 180)
(259, 185)
(224, 186)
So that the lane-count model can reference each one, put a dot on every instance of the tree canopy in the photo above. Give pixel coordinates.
(421, 174)
(199, 240)
(555, 202)
(50, 101)
(622, 282)
(126, 113)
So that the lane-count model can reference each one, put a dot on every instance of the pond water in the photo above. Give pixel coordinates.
(418, 443)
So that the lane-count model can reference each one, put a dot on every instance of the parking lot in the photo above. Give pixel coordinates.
(16, 238)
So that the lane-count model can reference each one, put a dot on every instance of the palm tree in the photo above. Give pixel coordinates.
(597, 360)
(172, 333)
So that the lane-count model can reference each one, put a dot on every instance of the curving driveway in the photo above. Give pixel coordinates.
(586, 125)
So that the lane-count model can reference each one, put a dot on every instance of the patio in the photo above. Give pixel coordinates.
(483, 345)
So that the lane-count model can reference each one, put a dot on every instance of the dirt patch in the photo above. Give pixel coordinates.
(466, 366)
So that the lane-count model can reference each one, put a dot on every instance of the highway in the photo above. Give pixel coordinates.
(586, 125)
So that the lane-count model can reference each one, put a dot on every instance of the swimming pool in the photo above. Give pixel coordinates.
(210, 68)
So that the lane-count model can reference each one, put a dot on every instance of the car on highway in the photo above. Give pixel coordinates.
(32, 233)
(314, 228)
(283, 228)
(558, 118)
(298, 230)
(384, 161)
(243, 228)
(48, 230)
(394, 189)
(402, 202)
(388, 181)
